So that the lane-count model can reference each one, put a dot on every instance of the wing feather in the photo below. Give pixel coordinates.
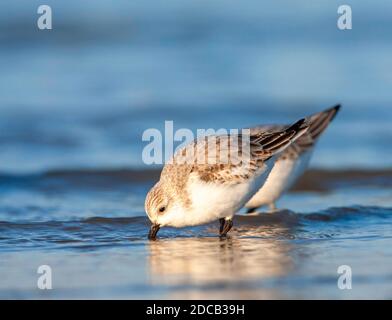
(232, 158)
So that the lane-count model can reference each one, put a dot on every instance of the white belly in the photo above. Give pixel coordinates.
(283, 175)
(212, 201)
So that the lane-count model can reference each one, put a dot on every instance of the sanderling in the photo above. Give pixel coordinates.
(194, 193)
(291, 163)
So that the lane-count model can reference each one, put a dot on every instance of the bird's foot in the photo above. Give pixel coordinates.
(251, 210)
(225, 226)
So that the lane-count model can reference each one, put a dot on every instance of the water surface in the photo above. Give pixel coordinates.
(75, 101)
(94, 236)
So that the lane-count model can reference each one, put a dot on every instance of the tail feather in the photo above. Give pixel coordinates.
(318, 122)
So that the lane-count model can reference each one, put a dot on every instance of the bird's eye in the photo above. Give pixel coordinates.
(161, 209)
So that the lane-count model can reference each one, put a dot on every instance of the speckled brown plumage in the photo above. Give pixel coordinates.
(239, 164)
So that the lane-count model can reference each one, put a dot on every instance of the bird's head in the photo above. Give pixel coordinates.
(162, 209)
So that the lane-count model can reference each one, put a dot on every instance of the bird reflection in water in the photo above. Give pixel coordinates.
(211, 267)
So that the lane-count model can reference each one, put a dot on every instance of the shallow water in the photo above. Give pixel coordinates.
(94, 236)
(74, 104)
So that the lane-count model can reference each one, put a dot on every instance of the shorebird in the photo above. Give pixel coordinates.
(193, 192)
(292, 162)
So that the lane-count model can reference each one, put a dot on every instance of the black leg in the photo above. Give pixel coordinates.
(225, 226)
(222, 224)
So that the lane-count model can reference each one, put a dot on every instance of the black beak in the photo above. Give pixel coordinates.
(152, 235)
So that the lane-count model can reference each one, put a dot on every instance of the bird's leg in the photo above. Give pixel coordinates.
(222, 224)
(272, 207)
(225, 226)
